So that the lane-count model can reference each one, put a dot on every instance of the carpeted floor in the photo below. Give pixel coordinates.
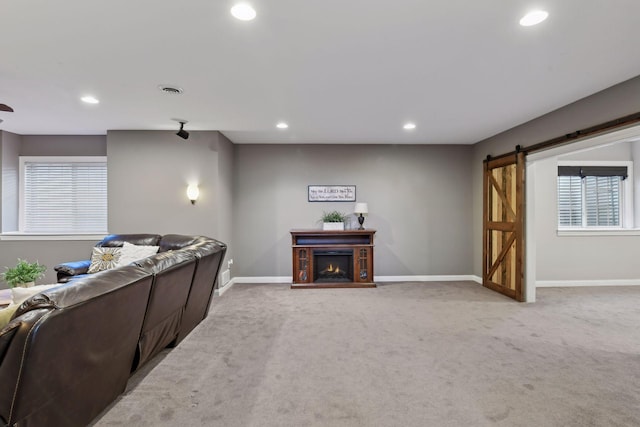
(402, 354)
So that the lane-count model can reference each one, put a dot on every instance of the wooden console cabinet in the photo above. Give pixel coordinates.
(332, 259)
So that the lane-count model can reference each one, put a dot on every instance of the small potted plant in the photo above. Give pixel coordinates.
(24, 274)
(333, 220)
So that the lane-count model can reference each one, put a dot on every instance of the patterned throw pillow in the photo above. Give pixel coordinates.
(104, 259)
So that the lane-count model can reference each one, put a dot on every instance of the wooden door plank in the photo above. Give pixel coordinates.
(501, 226)
(520, 199)
(485, 221)
(501, 193)
(503, 253)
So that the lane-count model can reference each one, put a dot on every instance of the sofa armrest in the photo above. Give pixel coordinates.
(69, 269)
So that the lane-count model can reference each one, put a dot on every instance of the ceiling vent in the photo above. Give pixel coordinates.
(170, 89)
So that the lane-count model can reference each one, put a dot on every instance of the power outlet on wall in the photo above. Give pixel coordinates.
(229, 264)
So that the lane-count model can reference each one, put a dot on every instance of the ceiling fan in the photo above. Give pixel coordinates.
(5, 107)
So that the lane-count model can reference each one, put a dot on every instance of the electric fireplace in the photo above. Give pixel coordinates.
(332, 258)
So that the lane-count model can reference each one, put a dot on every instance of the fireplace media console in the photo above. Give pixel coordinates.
(332, 259)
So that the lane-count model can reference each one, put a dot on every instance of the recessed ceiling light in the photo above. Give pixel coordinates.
(409, 126)
(89, 99)
(243, 12)
(533, 18)
(282, 125)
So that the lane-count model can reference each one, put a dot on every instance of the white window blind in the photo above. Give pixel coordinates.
(590, 196)
(602, 201)
(64, 195)
(570, 201)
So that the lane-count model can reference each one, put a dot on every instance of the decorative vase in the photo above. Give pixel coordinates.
(333, 225)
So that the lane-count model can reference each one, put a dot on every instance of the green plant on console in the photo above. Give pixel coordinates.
(23, 272)
(333, 216)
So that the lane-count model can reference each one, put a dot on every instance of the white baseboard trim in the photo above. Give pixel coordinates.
(575, 283)
(263, 279)
(381, 279)
(224, 288)
(452, 278)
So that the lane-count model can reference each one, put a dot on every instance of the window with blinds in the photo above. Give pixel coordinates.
(63, 195)
(590, 196)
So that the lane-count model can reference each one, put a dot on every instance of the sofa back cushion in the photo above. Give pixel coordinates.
(83, 289)
(173, 274)
(6, 334)
(209, 254)
(117, 240)
(172, 242)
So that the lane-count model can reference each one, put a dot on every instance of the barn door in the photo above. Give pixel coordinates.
(503, 229)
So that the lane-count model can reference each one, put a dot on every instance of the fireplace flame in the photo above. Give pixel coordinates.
(332, 269)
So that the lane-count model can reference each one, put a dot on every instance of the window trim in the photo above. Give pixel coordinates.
(21, 199)
(22, 236)
(626, 200)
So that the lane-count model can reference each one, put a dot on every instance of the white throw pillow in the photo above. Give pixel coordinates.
(7, 313)
(104, 259)
(131, 253)
(19, 294)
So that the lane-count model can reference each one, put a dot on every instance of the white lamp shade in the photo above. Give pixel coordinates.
(193, 192)
(361, 208)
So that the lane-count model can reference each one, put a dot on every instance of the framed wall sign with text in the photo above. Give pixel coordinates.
(332, 193)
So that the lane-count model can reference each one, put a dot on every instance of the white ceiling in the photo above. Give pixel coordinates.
(338, 71)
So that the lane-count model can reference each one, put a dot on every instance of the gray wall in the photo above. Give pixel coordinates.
(63, 145)
(148, 173)
(582, 257)
(419, 201)
(9, 152)
(615, 152)
(617, 101)
(225, 185)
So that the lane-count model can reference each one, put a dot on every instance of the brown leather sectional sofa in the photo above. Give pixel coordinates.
(69, 352)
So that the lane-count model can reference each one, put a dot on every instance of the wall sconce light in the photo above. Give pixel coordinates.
(361, 210)
(193, 192)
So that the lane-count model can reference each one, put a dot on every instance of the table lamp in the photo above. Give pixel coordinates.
(361, 210)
